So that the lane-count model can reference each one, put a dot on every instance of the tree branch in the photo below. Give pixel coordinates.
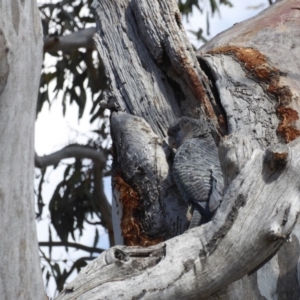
(79, 39)
(214, 248)
(70, 151)
(74, 245)
(54, 5)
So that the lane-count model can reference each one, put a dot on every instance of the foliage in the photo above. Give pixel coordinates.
(186, 7)
(73, 72)
(72, 200)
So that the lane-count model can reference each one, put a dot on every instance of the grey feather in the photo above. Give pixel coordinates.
(196, 168)
(196, 219)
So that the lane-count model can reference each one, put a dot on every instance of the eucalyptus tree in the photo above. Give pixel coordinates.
(72, 66)
(246, 82)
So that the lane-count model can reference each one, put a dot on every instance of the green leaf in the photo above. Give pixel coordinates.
(214, 6)
(96, 239)
(67, 171)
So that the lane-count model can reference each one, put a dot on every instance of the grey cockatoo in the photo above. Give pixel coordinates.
(196, 168)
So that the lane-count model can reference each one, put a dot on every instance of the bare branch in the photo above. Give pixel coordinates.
(74, 245)
(53, 5)
(76, 151)
(79, 39)
(204, 250)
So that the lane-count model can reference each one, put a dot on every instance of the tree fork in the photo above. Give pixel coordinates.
(150, 77)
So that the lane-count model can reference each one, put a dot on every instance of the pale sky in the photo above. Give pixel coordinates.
(53, 131)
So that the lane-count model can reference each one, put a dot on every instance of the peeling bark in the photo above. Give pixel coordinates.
(247, 83)
(258, 59)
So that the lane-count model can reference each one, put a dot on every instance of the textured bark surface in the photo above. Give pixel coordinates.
(255, 66)
(153, 72)
(151, 67)
(249, 87)
(20, 64)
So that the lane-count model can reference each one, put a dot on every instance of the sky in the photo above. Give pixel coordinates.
(241, 10)
(53, 131)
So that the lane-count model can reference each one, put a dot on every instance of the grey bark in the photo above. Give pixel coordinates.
(20, 65)
(261, 62)
(248, 84)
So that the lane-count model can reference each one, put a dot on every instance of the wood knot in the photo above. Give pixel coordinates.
(115, 254)
(276, 157)
(275, 233)
(121, 255)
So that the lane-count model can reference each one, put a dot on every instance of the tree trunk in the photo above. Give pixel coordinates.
(20, 64)
(247, 83)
